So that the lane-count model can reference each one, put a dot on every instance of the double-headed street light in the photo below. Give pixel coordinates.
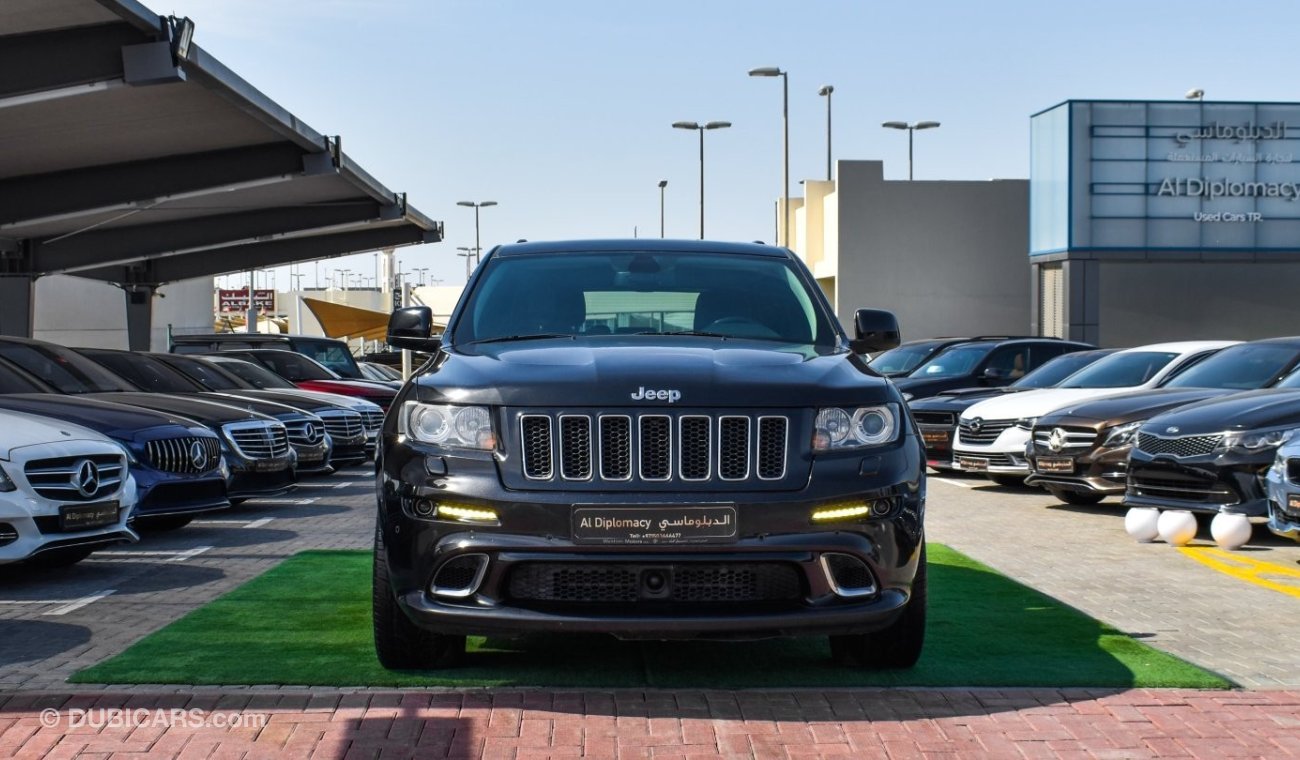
(468, 254)
(701, 129)
(478, 244)
(910, 129)
(826, 91)
(773, 71)
(420, 271)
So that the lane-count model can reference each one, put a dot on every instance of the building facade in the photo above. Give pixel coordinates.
(1161, 220)
(947, 257)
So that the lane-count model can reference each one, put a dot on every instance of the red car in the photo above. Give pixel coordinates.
(314, 376)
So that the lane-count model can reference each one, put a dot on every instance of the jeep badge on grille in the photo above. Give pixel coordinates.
(646, 394)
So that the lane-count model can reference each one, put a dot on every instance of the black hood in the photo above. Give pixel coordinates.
(196, 408)
(1129, 407)
(1254, 410)
(117, 421)
(286, 397)
(956, 401)
(705, 374)
(922, 387)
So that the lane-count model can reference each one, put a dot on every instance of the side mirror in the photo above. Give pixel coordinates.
(412, 328)
(874, 330)
(994, 375)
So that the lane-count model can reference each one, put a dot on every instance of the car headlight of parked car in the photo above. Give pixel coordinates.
(1254, 441)
(6, 485)
(130, 455)
(1121, 435)
(1026, 423)
(838, 429)
(462, 427)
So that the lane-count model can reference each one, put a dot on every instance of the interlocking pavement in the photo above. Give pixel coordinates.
(55, 623)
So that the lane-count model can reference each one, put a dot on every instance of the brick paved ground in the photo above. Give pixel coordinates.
(1079, 555)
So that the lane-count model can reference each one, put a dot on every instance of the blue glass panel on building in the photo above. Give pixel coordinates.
(1049, 177)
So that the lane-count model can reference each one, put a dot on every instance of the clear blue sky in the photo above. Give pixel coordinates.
(561, 110)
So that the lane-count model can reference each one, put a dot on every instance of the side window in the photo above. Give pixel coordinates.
(1009, 362)
(1041, 353)
(1187, 364)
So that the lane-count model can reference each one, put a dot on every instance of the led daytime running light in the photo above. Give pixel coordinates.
(841, 513)
(466, 514)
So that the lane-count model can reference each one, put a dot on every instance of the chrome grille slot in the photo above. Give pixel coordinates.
(1074, 439)
(558, 446)
(178, 454)
(535, 433)
(1185, 446)
(773, 440)
(575, 447)
(373, 420)
(733, 448)
(343, 425)
(986, 432)
(695, 447)
(259, 440)
(616, 447)
(57, 478)
(656, 443)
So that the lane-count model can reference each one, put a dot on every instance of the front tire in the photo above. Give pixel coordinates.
(399, 643)
(897, 646)
(1080, 498)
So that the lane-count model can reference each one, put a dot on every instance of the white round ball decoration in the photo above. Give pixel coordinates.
(1140, 522)
(1230, 531)
(1177, 527)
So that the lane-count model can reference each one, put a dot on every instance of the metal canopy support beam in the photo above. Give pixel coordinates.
(47, 61)
(139, 316)
(141, 184)
(16, 305)
(123, 245)
(256, 255)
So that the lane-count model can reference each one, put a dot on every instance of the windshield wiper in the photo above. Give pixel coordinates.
(532, 336)
(698, 333)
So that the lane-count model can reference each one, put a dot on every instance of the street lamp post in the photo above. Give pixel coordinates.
(478, 244)
(468, 253)
(296, 278)
(826, 91)
(420, 271)
(910, 129)
(701, 129)
(773, 71)
(662, 184)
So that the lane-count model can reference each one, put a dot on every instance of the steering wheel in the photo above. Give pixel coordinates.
(741, 327)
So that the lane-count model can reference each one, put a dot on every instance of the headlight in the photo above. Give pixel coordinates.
(130, 455)
(1121, 435)
(854, 428)
(6, 484)
(1026, 423)
(908, 397)
(466, 427)
(1254, 441)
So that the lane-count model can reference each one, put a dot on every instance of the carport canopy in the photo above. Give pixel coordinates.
(129, 155)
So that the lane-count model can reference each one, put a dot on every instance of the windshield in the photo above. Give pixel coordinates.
(332, 354)
(1127, 369)
(1244, 367)
(210, 377)
(292, 366)
(955, 362)
(1056, 370)
(150, 374)
(566, 294)
(14, 380)
(254, 374)
(904, 359)
(63, 368)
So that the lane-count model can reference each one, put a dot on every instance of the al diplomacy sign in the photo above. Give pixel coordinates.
(1181, 175)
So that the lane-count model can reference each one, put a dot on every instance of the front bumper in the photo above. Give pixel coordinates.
(1005, 456)
(1283, 519)
(775, 538)
(1207, 484)
(251, 479)
(30, 526)
(938, 444)
(1097, 470)
(164, 493)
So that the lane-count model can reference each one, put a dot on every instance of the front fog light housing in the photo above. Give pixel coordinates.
(864, 426)
(464, 427)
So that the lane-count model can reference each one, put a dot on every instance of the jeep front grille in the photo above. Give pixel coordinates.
(653, 447)
(179, 455)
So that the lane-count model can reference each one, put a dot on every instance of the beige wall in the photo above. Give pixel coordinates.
(75, 311)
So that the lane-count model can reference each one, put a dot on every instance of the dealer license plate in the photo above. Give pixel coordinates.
(935, 437)
(1055, 464)
(1293, 503)
(86, 516)
(654, 525)
(973, 464)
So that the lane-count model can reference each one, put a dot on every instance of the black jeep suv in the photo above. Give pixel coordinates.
(653, 439)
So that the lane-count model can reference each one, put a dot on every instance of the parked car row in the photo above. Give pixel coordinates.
(1205, 426)
(96, 444)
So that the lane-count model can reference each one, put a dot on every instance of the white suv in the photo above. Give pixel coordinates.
(64, 491)
(992, 435)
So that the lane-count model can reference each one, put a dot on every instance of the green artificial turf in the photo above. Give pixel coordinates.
(307, 622)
